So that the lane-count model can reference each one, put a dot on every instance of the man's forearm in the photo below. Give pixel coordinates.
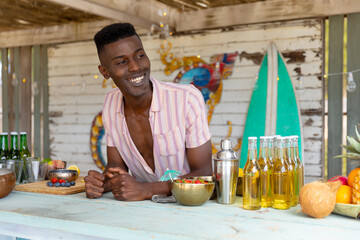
(156, 188)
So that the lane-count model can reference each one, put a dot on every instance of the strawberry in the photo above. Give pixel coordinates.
(197, 181)
(61, 181)
(54, 180)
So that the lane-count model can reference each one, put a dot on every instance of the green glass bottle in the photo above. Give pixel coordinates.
(24, 151)
(4, 147)
(14, 150)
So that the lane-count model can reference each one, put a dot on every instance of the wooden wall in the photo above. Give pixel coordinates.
(72, 107)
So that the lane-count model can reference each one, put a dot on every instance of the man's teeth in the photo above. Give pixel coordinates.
(136, 80)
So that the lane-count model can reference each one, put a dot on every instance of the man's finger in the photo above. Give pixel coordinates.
(117, 170)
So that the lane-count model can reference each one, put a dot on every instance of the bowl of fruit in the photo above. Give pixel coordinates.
(63, 174)
(193, 191)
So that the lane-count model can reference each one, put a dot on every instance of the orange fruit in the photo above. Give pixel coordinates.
(344, 194)
(351, 177)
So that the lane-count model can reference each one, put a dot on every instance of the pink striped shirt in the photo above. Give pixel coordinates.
(177, 119)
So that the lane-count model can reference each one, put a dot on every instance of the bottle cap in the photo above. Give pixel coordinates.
(252, 138)
(4, 133)
(22, 133)
(225, 144)
(266, 137)
(14, 133)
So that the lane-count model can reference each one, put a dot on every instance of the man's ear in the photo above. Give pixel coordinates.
(104, 72)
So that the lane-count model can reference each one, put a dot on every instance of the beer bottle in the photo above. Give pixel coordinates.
(24, 151)
(280, 177)
(292, 173)
(14, 150)
(4, 147)
(299, 167)
(265, 175)
(251, 181)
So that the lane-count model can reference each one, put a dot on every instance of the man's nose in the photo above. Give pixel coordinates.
(133, 66)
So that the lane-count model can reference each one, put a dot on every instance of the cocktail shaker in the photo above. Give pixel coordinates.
(226, 169)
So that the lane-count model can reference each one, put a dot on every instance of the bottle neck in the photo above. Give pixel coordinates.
(264, 149)
(4, 143)
(23, 142)
(252, 150)
(14, 142)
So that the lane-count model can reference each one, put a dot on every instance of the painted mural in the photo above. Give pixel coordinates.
(207, 77)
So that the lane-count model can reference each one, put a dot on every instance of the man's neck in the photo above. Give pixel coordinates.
(138, 104)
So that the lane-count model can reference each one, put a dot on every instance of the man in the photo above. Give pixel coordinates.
(150, 126)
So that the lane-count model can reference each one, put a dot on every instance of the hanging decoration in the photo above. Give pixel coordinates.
(161, 29)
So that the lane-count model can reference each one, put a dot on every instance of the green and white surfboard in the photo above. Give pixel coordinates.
(273, 108)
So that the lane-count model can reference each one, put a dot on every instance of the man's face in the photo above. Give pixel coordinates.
(126, 62)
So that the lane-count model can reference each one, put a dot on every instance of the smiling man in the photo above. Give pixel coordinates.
(150, 126)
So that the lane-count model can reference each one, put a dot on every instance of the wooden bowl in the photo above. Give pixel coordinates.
(64, 174)
(7, 181)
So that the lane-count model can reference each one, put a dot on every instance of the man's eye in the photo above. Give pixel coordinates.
(140, 55)
(122, 62)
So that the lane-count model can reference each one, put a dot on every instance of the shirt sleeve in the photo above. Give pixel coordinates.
(106, 121)
(197, 128)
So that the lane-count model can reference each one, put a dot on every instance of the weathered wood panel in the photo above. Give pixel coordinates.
(353, 59)
(25, 93)
(45, 101)
(73, 108)
(17, 89)
(4, 93)
(37, 100)
(336, 31)
(263, 11)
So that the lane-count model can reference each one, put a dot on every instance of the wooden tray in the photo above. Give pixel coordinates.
(41, 187)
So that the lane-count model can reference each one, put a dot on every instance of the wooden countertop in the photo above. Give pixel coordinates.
(45, 216)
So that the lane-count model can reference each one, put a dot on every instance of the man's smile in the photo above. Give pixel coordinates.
(137, 79)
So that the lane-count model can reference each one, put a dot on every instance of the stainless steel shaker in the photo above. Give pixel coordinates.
(226, 169)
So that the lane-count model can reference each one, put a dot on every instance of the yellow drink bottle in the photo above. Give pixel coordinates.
(280, 177)
(266, 172)
(292, 173)
(251, 180)
(299, 167)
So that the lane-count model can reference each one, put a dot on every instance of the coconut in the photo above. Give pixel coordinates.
(318, 199)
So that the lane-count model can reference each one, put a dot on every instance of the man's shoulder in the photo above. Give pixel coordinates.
(170, 86)
(112, 93)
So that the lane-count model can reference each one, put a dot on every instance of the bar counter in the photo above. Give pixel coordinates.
(44, 216)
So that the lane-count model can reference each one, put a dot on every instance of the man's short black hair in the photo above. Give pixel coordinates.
(112, 33)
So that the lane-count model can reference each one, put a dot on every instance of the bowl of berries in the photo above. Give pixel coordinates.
(63, 174)
(193, 191)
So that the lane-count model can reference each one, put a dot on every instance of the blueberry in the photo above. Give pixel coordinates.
(72, 183)
(49, 184)
(67, 184)
(57, 184)
(63, 184)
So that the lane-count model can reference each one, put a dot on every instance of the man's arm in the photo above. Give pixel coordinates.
(124, 186)
(200, 160)
(97, 183)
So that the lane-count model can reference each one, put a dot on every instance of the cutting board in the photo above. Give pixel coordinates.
(41, 187)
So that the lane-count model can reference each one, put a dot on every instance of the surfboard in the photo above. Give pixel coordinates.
(273, 107)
